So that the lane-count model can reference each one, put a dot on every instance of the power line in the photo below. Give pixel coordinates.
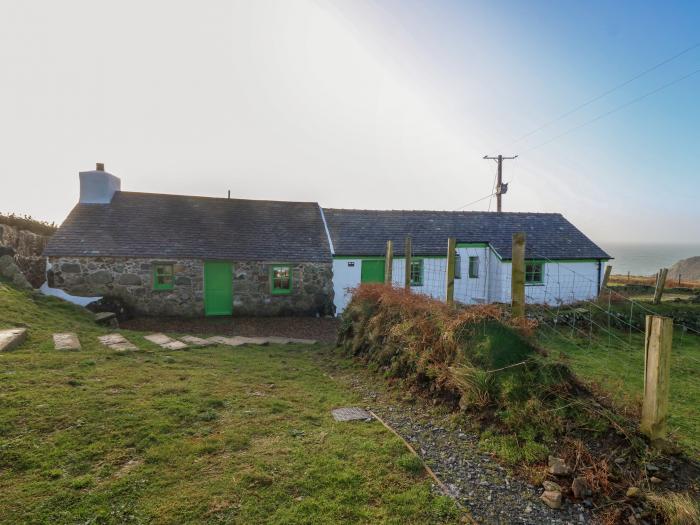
(605, 93)
(616, 109)
(477, 200)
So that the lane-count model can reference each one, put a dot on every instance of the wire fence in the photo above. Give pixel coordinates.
(597, 329)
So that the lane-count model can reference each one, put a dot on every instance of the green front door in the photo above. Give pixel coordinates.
(218, 288)
(372, 271)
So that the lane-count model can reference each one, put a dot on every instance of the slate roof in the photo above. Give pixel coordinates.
(170, 226)
(365, 232)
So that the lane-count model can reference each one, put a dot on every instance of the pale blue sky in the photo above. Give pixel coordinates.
(358, 104)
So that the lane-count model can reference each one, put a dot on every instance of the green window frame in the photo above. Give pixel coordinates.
(280, 279)
(534, 273)
(163, 277)
(473, 267)
(458, 265)
(417, 272)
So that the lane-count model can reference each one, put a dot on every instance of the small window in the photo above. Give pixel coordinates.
(417, 272)
(473, 267)
(163, 277)
(534, 273)
(458, 266)
(281, 280)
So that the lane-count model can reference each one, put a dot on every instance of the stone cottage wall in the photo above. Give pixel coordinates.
(131, 279)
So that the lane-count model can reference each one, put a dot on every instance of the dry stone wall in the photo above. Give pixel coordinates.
(26, 247)
(131, 280)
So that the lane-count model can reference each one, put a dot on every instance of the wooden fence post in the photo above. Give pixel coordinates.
(450, 292)
(388, 262)
(604, 284)
(408, 248)
(660, 283)
(657, 374)
(517, 281)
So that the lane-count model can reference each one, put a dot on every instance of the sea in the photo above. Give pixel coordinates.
(646, 259)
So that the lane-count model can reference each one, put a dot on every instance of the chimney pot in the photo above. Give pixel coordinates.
(100, 166)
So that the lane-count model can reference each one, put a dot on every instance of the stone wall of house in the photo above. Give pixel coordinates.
(131, 279)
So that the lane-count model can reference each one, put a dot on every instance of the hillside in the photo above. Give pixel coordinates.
(687, 268)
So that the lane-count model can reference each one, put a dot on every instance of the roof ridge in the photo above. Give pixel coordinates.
(205, 197)
(456, 212)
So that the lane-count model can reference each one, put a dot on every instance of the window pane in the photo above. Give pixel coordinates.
(417, 272)
(458, 266)
(280, 278)
(473, 267)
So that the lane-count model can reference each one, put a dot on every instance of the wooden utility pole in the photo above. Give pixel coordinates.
(604, 284)
(657, 374)
(501, 188)
(388, 262)
(407, 249)
(517, 280)
(660, 284)
(450, 292)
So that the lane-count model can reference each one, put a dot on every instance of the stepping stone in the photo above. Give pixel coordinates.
(193, 340)
(12, 338)
(351, 414)
(166, 342)
(290, 340)
(66, 341)
(238, 341)
(117, 342)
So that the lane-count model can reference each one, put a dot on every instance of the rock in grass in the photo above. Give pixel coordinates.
(12, 338)
(558, 467)
(633, 492)
(551, 486)
(580, 488)
(552, 499)
(655, 480)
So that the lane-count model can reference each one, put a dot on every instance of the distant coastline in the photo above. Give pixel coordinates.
(646, 259)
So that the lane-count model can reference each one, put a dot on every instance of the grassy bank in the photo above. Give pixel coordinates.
(201, 436)
(619, 371)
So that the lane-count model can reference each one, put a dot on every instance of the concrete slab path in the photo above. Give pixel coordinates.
(117, 342)
(66, 341)
(12, 338)
(166, 342)
(193, 340)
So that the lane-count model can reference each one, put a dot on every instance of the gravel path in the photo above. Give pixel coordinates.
(489, 492)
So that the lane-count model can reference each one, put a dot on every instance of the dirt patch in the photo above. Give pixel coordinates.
(322, 329)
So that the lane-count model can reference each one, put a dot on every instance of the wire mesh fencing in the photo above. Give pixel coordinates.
(599, 331)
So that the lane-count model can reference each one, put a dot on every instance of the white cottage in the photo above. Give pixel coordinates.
(562, 264)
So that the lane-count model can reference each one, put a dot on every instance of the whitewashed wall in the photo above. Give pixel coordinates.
(563, 282)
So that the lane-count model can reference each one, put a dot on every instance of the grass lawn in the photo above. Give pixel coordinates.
(619, 370)
(214, 435)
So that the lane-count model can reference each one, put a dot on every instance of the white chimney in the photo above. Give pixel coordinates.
(98, 187)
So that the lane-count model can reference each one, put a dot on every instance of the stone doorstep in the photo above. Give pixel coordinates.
(166, 342)
(117, 342)
(12, 338)
(66, 341)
